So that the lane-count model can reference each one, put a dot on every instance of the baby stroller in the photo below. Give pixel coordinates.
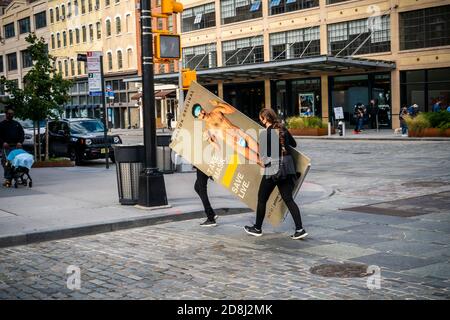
(18, 165)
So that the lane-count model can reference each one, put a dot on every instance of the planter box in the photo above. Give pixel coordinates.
(53, 164)
(309, 132)
(429, 132)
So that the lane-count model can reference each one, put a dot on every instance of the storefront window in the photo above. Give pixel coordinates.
(425, 88)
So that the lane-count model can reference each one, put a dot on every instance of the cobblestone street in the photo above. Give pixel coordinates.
(363, 222)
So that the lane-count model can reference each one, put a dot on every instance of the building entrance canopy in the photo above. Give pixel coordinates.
(275, 69)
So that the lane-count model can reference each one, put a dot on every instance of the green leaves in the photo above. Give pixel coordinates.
(44, 90)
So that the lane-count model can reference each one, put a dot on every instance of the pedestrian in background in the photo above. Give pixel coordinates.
(358, 115)
(437, 106)
(11, 136)
(403, 114)
(373, 110)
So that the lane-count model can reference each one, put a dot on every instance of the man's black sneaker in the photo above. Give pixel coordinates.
(253, 231)
(299, 234)
(216, 217)
(208, 223)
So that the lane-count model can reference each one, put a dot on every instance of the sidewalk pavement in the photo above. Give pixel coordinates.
(68, 202)
(370, 134)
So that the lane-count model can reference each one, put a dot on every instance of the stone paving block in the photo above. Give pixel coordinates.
(339, 251)
(437, 270)
(394, 262)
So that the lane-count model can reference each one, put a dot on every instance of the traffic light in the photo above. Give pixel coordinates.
(167, 46)
(187, 77)
(170, 7)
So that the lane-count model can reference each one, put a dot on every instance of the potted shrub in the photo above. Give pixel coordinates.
(306, 126)
(429, 124)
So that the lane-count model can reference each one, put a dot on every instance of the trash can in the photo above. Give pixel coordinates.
(129, 164)
(164, 154)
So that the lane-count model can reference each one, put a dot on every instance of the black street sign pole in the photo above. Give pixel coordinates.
(152, 190)
(105, 114)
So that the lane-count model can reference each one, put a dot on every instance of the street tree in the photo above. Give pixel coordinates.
(44, 90)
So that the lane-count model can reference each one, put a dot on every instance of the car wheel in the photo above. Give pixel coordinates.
(75, 156)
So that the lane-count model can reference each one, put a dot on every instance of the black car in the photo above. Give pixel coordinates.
(80, 139)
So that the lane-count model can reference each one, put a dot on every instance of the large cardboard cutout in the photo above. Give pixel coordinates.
(224, 145)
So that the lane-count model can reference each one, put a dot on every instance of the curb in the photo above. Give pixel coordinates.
(91, 229)
(373, 139)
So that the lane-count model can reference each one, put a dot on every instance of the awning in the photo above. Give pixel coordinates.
(163, 93)
(274, 69)
(136, 96)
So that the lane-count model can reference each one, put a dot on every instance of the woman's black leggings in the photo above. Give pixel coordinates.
(286, 188)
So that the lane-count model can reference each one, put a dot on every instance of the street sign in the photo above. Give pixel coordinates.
(94, 73)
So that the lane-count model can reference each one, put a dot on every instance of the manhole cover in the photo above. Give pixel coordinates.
(342, 270)
(425, 184)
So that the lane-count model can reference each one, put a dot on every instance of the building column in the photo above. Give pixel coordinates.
(267, 101)
(323, 28)
(324, 97)
(220, 89)
(395, 97)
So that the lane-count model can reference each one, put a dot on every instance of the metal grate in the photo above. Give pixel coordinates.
(344, 270)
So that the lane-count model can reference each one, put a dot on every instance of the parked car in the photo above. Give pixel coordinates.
(28, 143)
(80, 139)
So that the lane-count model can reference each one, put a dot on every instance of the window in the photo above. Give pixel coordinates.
(72, 67)
(198, 17)
(63, 11)
(118, 27)
(66, 68)
(425, 87)
(359, 36)
(57, 14)
(243, 51)
(1, 65)
(295, 43)
(64, 35)
(91, 32)
(239, 10)
(53, 41)
(335, 1)
(70, 37)
(27, 61)
(69, 9)
(40, 20)
(58, 40)
(425, 28)
(24, 25)
(83, 6)
(51, 16)
(128, 22)
(89, 5)
(77, 35)
(130, 58)
(78, 67)
(99, 30)
(108, 28)
(119, 59)
(83, 33)
(9, 30)
(107, 3)
(200, 57)
(12, 61)
(281, 6)
(97, 4)
(75, 5)
(110, 62)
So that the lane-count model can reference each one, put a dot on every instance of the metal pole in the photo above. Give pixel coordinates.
(180, 87)
(105, 116)
(152, 190)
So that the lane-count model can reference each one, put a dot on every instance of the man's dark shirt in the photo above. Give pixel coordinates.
(11, 132)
